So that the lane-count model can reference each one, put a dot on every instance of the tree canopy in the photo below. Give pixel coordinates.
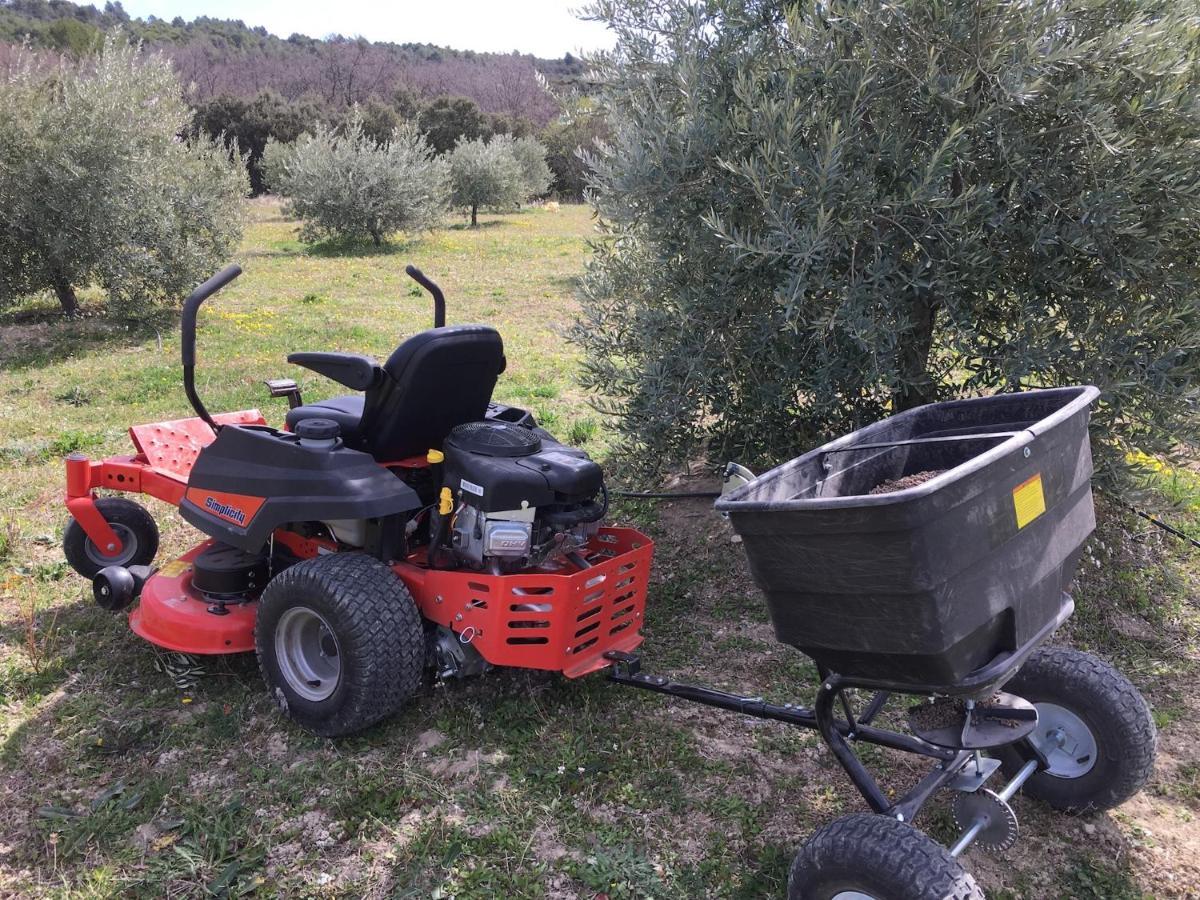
(818, 214)
(96, 186)
(447, 120)
(530, 154)
(345, 184)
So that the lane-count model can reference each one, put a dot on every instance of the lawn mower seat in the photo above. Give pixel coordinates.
(433, 381)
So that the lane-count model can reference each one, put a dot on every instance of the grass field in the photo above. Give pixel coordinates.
(113, 782)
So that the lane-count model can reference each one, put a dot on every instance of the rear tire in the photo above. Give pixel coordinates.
(340, 643)
(1094, 727)
(873, 856)
(134, 526)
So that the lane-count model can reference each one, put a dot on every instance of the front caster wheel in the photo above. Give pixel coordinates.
(133, 525)
(340, 642)
(874, 857)
(1094, 729)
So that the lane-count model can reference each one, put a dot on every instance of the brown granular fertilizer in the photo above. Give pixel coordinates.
(943, 713)
(946, 712)
(907, 481)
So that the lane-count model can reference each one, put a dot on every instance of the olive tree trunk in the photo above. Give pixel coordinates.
(916, 385)
(66, 296)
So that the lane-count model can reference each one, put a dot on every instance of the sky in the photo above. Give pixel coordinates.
(546, 28)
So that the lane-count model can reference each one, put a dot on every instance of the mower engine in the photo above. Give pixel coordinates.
(521, 498)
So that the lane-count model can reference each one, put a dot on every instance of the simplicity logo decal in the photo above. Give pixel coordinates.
(225, 510)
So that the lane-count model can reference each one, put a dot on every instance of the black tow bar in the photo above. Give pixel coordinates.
(837, 732)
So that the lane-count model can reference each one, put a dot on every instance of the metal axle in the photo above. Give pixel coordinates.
(973, 830)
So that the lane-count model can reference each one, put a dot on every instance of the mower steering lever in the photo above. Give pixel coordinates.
(187, 343)
(191, 306)
(439, 299)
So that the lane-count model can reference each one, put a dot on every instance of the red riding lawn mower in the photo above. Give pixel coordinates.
(414, 523)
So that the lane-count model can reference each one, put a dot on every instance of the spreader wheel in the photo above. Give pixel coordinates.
(340, 642)
(133, 525)
(875, 857)
(1094, 729)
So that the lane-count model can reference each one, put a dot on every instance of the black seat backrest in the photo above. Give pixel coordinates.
(433, 381)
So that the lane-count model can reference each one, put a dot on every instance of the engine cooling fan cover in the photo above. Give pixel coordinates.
(495, 439)
(224, 571)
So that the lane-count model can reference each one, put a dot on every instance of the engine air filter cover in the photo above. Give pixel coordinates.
(225, 571)
(495, 439)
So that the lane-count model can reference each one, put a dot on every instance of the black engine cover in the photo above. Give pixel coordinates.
(497, 466)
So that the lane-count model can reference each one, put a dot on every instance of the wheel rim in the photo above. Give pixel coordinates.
(308, 653)
(1065, 740)
(129, 547)
(852, 895)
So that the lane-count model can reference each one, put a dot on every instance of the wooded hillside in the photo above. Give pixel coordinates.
(226, 57)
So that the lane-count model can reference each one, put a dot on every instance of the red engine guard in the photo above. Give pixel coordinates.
(563, 619)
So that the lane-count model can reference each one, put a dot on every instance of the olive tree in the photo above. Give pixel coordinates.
(96, 186)
(530, 154)
(345, 184)
(818, 214)
(485, 173)
(568, 139)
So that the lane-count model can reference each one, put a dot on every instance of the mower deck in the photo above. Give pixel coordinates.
(174, 616)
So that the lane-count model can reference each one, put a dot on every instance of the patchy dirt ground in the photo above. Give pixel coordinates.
(520, 784)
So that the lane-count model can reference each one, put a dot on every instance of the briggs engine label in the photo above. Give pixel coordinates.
(471, 487)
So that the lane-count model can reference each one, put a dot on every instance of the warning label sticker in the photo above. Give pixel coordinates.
(175, 567)
(1029, 500)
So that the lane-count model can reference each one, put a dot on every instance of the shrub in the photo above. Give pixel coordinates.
(448, 120)
(347, 185)
(380, 120)
(251, 123)
(575, 134)
(97, 187)
(530, 155)
(818, 214)
(485, 173)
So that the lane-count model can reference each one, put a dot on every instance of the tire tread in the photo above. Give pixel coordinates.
(873, 843)
(1125, 711)
(379, 620)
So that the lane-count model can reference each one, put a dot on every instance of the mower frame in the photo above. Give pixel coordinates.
(560, 620)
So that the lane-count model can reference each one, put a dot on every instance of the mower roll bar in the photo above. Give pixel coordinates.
(191, 306)
(439, 299)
